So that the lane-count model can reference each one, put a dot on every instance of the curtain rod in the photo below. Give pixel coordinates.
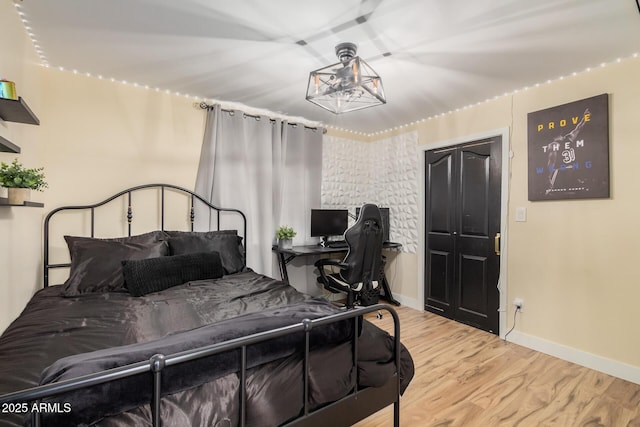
(205, 106)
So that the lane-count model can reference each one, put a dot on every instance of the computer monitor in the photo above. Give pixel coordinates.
(328, 222)
(384, 213)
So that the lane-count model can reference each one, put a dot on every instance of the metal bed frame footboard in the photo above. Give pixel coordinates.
(213, 210)
(357, 405)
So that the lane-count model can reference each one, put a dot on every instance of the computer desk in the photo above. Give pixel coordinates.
(286, 255)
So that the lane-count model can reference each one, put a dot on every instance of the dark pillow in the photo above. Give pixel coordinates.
(145, 276)
(225, 242)
(146, 238)
(209, 234)
(96, 265)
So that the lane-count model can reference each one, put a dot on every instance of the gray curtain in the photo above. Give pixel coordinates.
(269, 169)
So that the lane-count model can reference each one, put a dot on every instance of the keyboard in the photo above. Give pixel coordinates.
(338, 244)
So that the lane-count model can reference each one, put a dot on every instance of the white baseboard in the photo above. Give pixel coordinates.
(602, 364)
(588, 360)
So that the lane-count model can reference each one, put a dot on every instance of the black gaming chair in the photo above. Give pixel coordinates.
(359, 270)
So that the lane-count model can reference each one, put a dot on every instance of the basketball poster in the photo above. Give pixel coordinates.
(568, 147)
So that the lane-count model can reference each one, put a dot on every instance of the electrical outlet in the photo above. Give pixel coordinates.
(518, 303)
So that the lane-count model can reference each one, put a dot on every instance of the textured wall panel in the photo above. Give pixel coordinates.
(384, 172)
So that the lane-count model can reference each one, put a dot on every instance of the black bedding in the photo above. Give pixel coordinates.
(53, 327)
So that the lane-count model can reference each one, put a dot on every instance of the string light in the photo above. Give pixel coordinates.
(524, 89)
(32, 36)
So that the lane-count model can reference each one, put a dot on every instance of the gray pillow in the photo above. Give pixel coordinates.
(146, 238)
(226, 242)
(144, 276)
(96, 264)
(208, 234)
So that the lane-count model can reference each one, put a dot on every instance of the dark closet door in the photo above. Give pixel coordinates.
(462, 225)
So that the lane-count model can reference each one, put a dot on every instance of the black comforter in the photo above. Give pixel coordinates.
(90, 329)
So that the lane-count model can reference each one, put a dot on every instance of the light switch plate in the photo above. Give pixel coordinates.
(521, 214)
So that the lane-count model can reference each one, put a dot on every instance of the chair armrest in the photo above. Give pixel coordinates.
(325, 262)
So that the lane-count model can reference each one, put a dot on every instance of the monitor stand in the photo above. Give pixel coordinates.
(324, 241)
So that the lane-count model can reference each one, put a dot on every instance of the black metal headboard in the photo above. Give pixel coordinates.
(213, 210)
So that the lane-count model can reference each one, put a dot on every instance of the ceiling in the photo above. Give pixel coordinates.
(434, 56)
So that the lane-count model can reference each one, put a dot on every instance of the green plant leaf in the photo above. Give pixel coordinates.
(16, 175)
(285, 232)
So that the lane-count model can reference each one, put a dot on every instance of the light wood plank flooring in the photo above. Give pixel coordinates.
(467, 377)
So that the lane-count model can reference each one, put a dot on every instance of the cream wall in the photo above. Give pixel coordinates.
(96, 137)
(573, 262)
(20, 228)
(102, 137)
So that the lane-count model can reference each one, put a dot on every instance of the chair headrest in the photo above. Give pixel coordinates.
(369, 212)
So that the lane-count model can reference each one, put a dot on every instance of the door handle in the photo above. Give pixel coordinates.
(496, 243)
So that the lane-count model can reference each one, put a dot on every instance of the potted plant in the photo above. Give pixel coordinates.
(285, 235)
(20, 181)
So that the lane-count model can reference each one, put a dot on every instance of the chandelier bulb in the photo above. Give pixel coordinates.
(356, 72)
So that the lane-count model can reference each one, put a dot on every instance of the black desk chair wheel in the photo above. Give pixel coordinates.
(359, 271)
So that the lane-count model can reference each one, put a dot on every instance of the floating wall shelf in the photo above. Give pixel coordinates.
(12, 110)
(8, 146)
(4, 202)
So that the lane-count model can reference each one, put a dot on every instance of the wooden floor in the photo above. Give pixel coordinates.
(467, 377)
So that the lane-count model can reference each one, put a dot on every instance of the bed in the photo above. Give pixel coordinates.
(170, 327)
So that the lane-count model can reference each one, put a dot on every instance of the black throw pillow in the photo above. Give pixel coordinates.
(145, 276)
